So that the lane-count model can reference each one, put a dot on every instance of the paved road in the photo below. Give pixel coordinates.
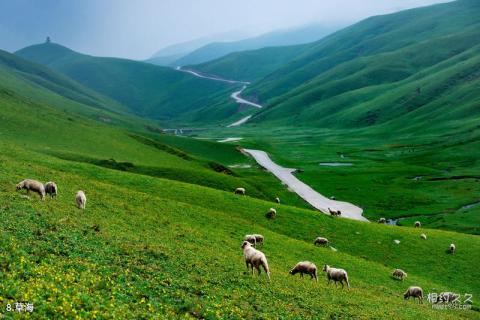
(235, 95)
(317, 200)
(199, 75)
(238, 99)
(239, 122)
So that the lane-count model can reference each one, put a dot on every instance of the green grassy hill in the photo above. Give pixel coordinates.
(411, 35)
(174, 246)
(161, 233)
(14, 69)
(251, 65)
(147, 90)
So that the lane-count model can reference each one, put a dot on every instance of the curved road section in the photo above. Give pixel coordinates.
(238, 99)
(235, 95)
(317, 200)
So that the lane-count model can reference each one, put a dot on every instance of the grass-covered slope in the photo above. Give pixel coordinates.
(15, 70)
(404, 69)
(250, 65)
(174, 249)
(148, 90)
(373, 36)
(162, 230)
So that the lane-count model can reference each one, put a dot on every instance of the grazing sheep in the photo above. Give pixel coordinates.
(320, 241)
(254, 239)
(447, 297)
(305, 267)
(336, 275)
(271, 214)
(51, 189)
(81, 199)
(334, 213)
(415, 292)
(423, 236)
(277, 200)
(240, 191)
(255, 258)
(418, 224)
(32, 185)
(452, 248)
(382, 220)
(399, 274)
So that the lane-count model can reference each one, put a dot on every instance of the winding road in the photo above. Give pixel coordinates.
(285, 175)
(238, 99)
(235, 95)
(199, 75)
(314, 198)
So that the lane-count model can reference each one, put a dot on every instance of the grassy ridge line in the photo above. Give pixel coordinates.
(147, 90)
(32, 87)
(45, 78)
(131, 225)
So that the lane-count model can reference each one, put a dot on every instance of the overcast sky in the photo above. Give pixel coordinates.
(138, 28)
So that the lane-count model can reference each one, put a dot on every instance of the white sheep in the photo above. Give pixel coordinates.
(336, 275)
(415, 292)
(417, 224)
(32, 185)
(255, 258)
(51, 189)
(277, 200)
(321, 241)
(452, 248)
(399, 274)
(271, 213)
(382, 220)
(240, 191)
(305, 267)
(81, 199)
(254, 239)
(423, 236)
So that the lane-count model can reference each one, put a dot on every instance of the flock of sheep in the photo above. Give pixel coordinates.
(51, 189)
(423, 236)
(255, 259)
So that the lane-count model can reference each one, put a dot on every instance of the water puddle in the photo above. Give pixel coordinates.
(335, 164)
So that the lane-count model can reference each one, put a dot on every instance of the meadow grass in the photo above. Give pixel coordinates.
(150, 247)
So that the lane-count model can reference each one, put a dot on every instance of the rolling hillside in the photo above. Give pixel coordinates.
(396, 97)
(17, 69)
(251, 65)
(162, 230)
(147, 90)
(401, 67)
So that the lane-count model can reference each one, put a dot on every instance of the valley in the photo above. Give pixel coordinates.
(366, 137)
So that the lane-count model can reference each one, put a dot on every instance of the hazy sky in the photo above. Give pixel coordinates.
(138, 28)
